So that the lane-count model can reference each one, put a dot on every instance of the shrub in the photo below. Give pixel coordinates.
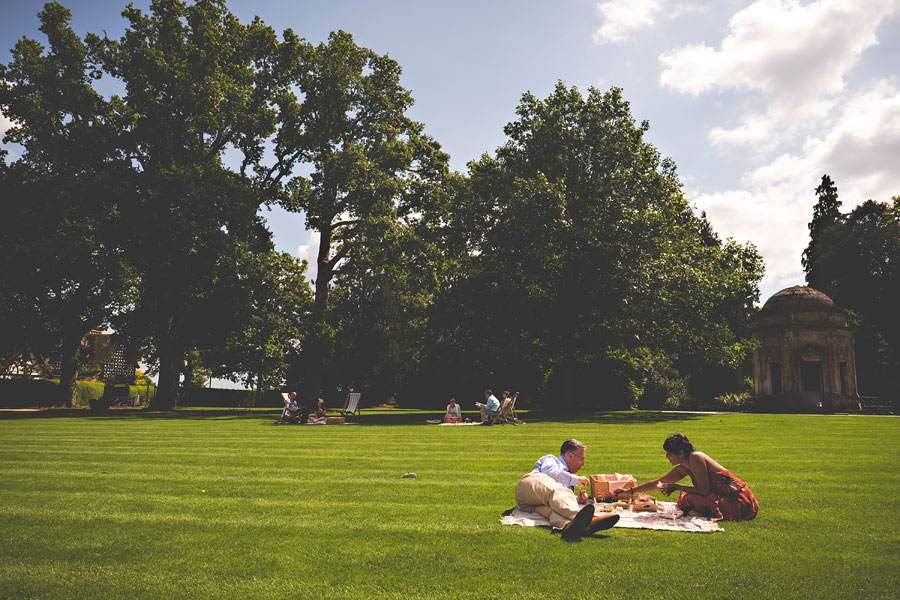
(27, 393)
(731, 401)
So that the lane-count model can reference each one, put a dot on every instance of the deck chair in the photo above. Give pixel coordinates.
(505, 416)
(351, 406)
(512, 409)
(288, 416)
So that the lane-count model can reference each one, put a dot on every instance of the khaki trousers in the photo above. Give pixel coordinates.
(487, 415)
(540, 493)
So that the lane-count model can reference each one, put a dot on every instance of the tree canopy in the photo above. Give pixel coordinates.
(568, 263)
(855, 259)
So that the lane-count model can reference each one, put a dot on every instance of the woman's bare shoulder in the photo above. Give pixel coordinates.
(705, 459)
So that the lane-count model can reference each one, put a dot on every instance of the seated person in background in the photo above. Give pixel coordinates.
(490, 408)
(452, 410)
(291, 412)
(319, 417)
(548, 490)
(715, 493)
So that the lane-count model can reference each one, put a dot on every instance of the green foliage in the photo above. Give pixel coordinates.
(270, 314)
(577, 251)
(370, 167)
(731, 401)
(61, 199)
(198, 84)
(857, 262)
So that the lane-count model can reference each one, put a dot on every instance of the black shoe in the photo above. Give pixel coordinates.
(578, 526)
(602, 522)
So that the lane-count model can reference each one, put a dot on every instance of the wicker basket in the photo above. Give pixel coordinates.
(602, 486)
(335, 420)
(452, 419)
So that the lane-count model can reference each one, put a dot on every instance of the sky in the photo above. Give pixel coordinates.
(753, 100)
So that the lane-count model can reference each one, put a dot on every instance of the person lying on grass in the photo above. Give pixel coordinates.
(549, 491)
(715, 493)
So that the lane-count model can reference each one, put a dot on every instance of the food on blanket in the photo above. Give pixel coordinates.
(644, 503)
(602, 507)
(621, 504)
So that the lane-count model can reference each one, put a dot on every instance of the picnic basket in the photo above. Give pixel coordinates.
(335, 420)
(602, 486)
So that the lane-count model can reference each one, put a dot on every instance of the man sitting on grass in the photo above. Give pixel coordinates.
(548, 491)
(490, 409)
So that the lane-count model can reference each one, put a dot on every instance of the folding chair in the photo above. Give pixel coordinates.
(512, 409)
(351, 406)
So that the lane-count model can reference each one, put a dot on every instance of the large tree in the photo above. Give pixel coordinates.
(62, 199)
(856, 261)
(583, 265)
(255, 338)
(370, 166)
(198, 83)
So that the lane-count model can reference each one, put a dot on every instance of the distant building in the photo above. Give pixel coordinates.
(104, 349)
(805, 359)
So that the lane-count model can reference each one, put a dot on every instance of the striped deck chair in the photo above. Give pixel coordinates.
(351, 406)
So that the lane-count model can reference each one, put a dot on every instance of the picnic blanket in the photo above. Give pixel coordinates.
(670, 519)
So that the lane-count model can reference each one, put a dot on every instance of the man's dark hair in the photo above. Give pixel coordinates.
(488, 392)
(570, 446)
(678, 443)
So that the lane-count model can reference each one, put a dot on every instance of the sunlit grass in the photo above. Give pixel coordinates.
(226, 504)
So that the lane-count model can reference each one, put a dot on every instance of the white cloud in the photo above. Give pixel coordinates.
(774, 203)
(622, 17)
(793, 56)
(309, 252)
(5, 124)
(687, 8)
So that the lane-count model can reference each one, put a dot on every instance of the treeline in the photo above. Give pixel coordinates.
(855, 258)
(567, 265)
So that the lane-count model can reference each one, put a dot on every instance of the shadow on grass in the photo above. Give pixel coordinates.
(368, 416)
(616, 417)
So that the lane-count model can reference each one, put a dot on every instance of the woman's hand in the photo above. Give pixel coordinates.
(583, 497)
(667, 488)
(622, 492)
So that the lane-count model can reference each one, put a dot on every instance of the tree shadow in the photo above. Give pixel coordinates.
(367, 417)
(616, 417)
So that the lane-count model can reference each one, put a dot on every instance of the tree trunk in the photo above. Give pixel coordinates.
(171, 362)
(314, 347)
(68, 375)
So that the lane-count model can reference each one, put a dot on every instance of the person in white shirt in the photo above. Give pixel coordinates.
(453, 410)
(549, 491)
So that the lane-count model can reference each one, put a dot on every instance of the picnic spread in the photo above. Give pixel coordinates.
(666, 517)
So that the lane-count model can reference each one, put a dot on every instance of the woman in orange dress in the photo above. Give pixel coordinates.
(715, 492)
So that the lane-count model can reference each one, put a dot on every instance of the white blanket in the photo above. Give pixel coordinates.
(669, 519)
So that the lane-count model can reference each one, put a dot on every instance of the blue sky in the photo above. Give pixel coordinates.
(754, 100)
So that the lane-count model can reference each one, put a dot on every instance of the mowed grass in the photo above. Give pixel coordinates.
(215, 505)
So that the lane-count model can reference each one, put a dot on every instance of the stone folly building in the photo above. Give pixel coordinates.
(805, 358)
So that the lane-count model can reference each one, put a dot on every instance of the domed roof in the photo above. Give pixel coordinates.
(799, 297)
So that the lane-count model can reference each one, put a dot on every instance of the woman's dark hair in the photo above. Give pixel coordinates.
(678, 443)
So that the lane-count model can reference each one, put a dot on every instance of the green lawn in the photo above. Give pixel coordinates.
(228, 505)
